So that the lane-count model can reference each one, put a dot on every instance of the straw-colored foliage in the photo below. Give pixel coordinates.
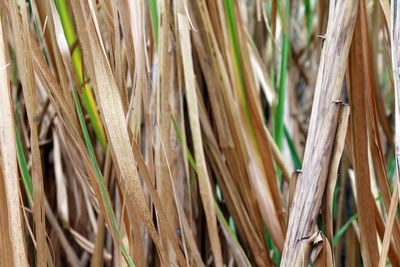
(199, 133)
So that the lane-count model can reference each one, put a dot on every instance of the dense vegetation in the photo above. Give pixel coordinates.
(199, 133)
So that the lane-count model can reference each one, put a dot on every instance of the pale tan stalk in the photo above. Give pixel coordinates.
(311, 182)
(12, 233)
(20, 26)
(204, 180)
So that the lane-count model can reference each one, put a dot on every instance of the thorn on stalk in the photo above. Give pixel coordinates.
(340, 102)
(296, 173)
(303, 239)
(323, 38)
(307, 237)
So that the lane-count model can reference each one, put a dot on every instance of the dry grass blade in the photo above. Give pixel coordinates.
(111, 106)
(168, 161)
(360, 147)
(72, 257)
(217, 134)
(358, 85)
(13, 240)
(333, 172)
(311, 182)
(395, 39)
(389, 227)
(204, 184)
(20, 27)
(6, 244)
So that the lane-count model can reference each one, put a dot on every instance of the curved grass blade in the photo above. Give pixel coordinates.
(342, 230)
(102, 186)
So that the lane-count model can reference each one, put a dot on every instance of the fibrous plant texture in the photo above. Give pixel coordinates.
(199, 133)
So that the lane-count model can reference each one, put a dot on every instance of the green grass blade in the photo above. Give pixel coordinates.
(192, 162)
(230, 231)
(308, 14)
(225, 222)
(278, 126)
(343, 229)
(279, 115)
(102, 186)
(27, 181)
(293, 153)
(391, 168)
(233, 37)
(23, 167)
(87, 95)
(154, 18)
(276, 257)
